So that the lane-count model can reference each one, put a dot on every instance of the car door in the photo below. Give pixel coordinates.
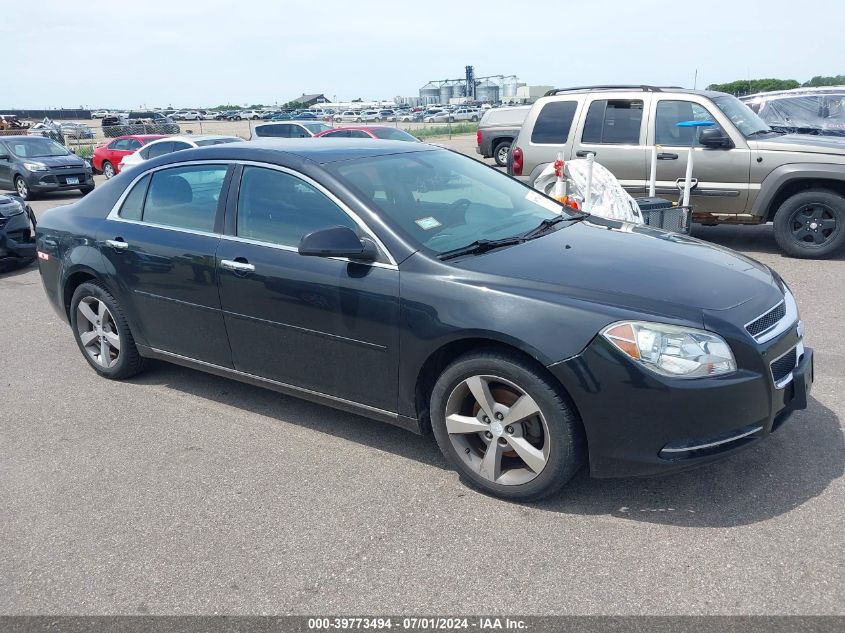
(323, 324)
(615, 131)
(160, 242)
(720, 175)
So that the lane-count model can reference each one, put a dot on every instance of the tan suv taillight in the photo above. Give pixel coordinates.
(516, 161)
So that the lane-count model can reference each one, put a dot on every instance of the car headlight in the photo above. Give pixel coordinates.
(35, 166)
(670, 350)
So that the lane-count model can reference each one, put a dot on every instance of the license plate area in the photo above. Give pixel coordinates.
(72, 180)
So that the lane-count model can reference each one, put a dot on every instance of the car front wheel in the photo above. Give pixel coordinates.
(505, 427)
(811, 224)
(102, 333)
(22, 188)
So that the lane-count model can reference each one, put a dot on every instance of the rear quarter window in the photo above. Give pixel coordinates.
(554, 122)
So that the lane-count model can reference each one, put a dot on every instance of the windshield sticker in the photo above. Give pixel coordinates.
(427, 223)
(543, 201)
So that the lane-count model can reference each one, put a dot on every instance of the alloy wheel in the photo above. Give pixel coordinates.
(813, 224)
(108, 170)
(23, 190)
(502, 154)
(498, 430)
(98, 332)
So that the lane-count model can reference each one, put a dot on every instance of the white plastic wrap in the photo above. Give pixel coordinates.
(608, 198)
(808, 114)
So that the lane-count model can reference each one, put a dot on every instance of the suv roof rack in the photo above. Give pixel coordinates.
(643, 87)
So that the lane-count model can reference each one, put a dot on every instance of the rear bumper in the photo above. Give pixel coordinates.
(640, 424)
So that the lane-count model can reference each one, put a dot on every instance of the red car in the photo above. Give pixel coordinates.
(368, 131)
(107, 157)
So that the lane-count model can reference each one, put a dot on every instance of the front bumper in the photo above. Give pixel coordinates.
(58, 180)
(17, 240)
(639, 423)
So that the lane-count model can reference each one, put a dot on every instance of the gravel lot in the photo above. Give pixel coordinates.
(180, 492)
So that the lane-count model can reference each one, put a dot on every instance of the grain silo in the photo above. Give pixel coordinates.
(445, 93)
(487, 92)
(430, 93)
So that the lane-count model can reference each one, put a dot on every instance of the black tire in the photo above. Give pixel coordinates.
(567, 447)
(500, 153)
(129, 361)
(106, 172)
(811, 224)
(474, 119)
(22, 188)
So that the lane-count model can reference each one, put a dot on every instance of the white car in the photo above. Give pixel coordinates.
(171, 144)
(289, 129)
(248, 114)
(461, 114)
(349, 115)
(192, 115)
(99, 114)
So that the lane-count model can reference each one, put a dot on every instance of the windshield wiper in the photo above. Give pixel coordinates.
(548, 223)
(481, 246)
(756, 132)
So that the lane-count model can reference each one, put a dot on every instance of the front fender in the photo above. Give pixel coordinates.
(785, 174)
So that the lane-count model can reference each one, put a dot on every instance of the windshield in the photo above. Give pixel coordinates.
(741, 115)
(36, 147)
(316, 128)
(443, 201)
(394, 134)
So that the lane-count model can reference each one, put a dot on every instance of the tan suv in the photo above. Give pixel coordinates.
(744, 172)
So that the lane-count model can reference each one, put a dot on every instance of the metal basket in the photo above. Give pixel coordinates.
(677, 219)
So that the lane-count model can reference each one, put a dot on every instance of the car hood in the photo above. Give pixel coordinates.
(634, 267)
(803, 143)
(61, 161)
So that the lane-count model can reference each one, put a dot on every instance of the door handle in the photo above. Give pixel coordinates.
(118, 244)
(583, 153)
(667, 156)
(236, 266)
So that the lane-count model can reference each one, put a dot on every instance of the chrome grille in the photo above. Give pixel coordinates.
(766, 322)
(782, 366)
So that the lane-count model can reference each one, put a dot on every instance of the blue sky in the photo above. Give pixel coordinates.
(102, 54)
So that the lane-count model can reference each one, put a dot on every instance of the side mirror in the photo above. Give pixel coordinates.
(714, 137)
(4, 157)
(337, 241)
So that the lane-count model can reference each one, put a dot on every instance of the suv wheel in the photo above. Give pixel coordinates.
(500, 153)
(22, 188)
(504, 427)
(102, 333)
(811, 224)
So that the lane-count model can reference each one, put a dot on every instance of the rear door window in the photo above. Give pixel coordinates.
(133, 204)
(554, 122)
(185, 197)
(613, 122)
(157, 149)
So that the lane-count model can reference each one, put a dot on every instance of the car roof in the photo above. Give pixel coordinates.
(282, 151)
(196, 137)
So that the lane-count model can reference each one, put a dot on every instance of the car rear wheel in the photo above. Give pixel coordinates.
(102, 333)
(108, 169)
(505, 427)
(811, 224)
(500, 154)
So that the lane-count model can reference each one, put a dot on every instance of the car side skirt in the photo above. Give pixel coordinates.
(349, 406)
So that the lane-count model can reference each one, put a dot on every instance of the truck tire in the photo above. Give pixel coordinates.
(501, 151)
(811, 224)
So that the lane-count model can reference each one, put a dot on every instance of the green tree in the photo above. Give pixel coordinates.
(818, 80)
(742, 87)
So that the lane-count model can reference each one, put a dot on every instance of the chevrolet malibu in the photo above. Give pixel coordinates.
(415, 286)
